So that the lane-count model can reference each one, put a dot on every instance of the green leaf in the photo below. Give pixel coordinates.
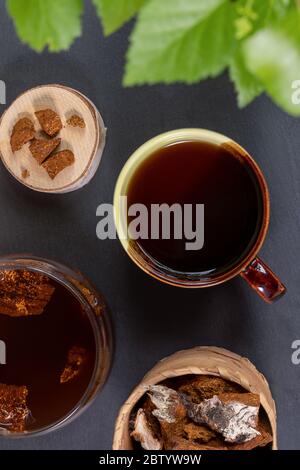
(273, 56)
(180, 40)
(115, 13)
(52, 23)
(279, 7)
(256, 14)
(246, 84)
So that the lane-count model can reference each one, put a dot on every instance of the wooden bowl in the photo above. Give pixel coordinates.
(87, 144)
(201, 360)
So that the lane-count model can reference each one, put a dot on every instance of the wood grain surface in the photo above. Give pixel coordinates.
(84, 143)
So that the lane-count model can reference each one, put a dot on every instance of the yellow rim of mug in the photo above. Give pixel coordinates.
(171, 137)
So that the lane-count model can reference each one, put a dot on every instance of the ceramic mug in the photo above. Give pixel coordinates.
(250, 267)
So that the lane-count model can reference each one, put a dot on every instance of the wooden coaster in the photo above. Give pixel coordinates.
(86, 143)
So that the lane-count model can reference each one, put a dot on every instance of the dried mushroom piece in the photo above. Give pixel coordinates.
(13, 408)
(248, 399)
(75, 360)
(235, 420)
(168, 403)
(24, 293)
(148, 408)
(172, 432)
(170, 411)
(42, 148)
(182, 419)
(184, 444)
(180, 443)
(58, 162)
(76, 121)
(143, 433)
(262, 440)
(50, 121)
(196, 432)
(202, 387)
(23, 131)
(25, 174)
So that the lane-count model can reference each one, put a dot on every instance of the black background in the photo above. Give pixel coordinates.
(154, 320)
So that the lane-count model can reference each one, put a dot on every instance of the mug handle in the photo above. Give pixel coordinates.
(260, 277)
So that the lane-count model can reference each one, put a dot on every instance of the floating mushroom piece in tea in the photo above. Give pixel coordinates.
(14, 411)
(24, 293)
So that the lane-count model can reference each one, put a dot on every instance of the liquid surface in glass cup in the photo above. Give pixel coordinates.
(57, 350)
(235, 236)
(193, 173)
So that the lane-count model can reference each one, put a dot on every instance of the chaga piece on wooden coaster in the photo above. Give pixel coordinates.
(200, 413)
(76, 121)
(13, 408)
(24, 293)
(22, 133)
(42, 148)
(58, 162)
(50, 121)
(25, 174)
(75, 360)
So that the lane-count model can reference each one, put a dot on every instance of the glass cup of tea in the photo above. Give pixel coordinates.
(55, 345)
(192, 210)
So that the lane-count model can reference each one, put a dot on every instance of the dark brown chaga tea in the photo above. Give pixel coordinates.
(50, 351)
(200, 173)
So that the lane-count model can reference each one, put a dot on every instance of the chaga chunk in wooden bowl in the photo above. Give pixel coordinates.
(199, 399)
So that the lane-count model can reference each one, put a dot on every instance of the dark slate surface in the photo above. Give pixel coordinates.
(154, 320)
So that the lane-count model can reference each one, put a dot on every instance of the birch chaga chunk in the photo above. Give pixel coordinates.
(22, 133)
(76, 121)
(262, 440)
(184, 444)
(13, 408)
(249, 399)
(25, 174)
(168, 403)
(153, 422)
(230, 419)
(76, 358)
(50, 121)
(170, 412)
(196, 432)
(202, 387)
(24, 293)
(42, 148)
(57, 162)
(235, 420)
(143, 433)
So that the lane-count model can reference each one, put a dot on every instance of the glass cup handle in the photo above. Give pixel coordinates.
(260, 277)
